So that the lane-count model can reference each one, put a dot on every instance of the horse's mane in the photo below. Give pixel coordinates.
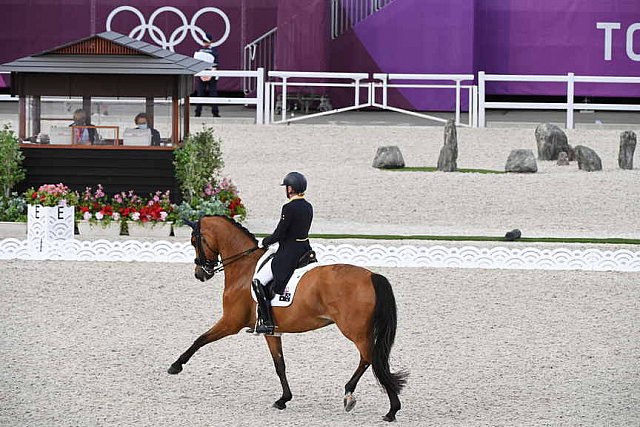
(236, 224)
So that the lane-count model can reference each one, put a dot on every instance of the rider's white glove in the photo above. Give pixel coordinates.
(260, 244)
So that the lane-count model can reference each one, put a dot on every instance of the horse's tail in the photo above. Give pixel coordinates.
(385, 321)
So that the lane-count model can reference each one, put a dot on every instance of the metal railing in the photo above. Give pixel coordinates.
(345, 14)
(260, 53)
(570, 106)
(457, 86)
(258, 100)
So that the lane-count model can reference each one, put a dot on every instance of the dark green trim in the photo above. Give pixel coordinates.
(610, 241)
(434, 169)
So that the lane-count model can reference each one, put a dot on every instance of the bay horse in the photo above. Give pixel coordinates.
(360, 303)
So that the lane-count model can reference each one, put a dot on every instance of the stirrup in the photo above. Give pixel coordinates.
(261, 328)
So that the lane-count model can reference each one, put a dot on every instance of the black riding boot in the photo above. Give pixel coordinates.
(264, 324)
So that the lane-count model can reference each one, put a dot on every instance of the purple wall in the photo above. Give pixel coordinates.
(521, 37)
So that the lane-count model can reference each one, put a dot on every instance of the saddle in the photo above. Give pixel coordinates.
(306, 259)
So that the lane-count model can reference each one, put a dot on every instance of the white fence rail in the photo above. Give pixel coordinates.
(569, 106)
(457, 86)
(355, 81)
(258, 100)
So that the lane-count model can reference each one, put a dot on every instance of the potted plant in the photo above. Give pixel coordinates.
(13, 216)
(96, 215)
(197, 161)
(149, 218)
(52, 206)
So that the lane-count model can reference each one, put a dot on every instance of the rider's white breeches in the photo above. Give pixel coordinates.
(265, 275)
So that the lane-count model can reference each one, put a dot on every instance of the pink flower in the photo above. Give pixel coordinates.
(135, 216)
(163, 215)
(99, 216)
(87, 216)
(115, 216)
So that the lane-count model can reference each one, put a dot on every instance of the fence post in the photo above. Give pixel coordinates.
(384, 90)
(481, 119)
(457, 102)
(570, 93)
(284, 99)
(474, 98)
(260, 97)
(357, 95)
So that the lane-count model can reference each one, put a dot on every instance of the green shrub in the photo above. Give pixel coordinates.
(11, 170)
(197, 162)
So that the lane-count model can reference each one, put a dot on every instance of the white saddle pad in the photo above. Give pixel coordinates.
(286, 298)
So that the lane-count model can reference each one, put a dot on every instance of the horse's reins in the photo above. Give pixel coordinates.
(213, 266)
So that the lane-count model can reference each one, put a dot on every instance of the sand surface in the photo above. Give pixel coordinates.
(350, 196)
(89, 344)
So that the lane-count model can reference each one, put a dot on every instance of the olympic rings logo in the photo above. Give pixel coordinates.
(179, 34)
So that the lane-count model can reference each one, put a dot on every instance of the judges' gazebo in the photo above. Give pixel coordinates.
(111, 65)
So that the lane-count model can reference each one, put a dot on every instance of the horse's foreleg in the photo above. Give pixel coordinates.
(220, 330)
(275, 347)
(350, 387)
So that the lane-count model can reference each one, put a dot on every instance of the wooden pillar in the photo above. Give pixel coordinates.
(186, 116)
(22, 118)
(175, 120)
(86, 106)
(35, 115)
(149, 110)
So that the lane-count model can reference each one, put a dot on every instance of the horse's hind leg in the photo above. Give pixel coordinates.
(217, 331)
(350, 387)
(275, 347)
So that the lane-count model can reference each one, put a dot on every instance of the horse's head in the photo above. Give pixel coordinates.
(207, 252)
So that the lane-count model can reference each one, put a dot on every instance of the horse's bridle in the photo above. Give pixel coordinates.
(212, 266)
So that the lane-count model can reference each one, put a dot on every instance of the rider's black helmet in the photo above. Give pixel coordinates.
(297, 181)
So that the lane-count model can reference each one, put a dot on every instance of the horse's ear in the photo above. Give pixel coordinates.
(189, 223)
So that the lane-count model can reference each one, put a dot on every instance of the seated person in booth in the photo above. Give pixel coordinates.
(82, 136)
(206, 85)
(143, 123)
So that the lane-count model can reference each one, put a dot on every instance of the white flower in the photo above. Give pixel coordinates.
(163, 215)
(99, 216)
(87, 216)
(135, 216)
(115, 216)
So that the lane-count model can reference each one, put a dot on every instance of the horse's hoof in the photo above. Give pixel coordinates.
(279, 405)
(173, 369)
(349, 402)
(389, 418)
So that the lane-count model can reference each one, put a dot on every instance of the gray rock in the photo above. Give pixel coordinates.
(448, 159)
(521, 161)
(627, 148)
(563, 159)
(551, 140)
(588, 160)
(388, 157)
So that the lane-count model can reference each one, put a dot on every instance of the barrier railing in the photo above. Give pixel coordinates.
(345, 14)
(286, 83)
(570, 106)
(258, 100)
(260, 53)
(457, 85)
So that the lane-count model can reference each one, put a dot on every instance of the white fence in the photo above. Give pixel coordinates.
(457, 86)
(570, 80)
(258, 100)
(354, 80)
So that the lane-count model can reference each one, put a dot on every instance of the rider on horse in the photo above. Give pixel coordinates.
(292, 234)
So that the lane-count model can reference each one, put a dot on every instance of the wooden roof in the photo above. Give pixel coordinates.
(107, 53)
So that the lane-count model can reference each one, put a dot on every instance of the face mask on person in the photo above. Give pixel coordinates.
(143, 126)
